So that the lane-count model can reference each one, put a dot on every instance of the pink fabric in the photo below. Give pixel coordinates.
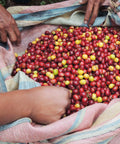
(30, 132)
(6, 56)
(27, 132)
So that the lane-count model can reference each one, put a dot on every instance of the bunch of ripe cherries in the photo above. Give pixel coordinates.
(84, 60)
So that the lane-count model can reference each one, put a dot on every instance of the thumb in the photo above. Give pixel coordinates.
(83, 1)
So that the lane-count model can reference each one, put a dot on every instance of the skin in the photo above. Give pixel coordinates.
(8, 27)
(92, 10)
(43, 105)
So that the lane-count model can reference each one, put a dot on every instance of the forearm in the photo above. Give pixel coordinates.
(14, 105)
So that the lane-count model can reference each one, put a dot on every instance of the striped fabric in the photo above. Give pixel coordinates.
(96, 124)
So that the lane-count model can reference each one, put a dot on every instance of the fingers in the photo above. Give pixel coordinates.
(12, 32)
(12, 35)
(17, 32)
(94, 14)
(88, 11)
(92, 11)
(3, 36)
(67, 102)
(68, 93)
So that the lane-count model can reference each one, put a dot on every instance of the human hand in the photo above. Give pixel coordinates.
(48, 103)
(91, 10)
(8, 27)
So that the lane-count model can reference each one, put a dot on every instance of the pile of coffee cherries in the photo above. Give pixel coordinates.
(84, 60)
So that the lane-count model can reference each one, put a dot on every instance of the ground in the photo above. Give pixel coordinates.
(7, 3)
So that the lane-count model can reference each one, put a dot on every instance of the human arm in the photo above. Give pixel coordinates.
(42, 104)
(8, 27)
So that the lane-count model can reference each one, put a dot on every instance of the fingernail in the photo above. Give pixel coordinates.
(85, 22)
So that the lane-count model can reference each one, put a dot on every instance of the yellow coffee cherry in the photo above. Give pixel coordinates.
(64, 62)
(35, 75)
(89, 39)
(43, 34)
(59, 40)
(78, 42)
(80, 77)
(99, 28)
(111, 85)
(58, 29)
(91, 78)
(18, 69)
(65, 35)
(37, 39)
(68, 53)
(56, 47)
(93, 57)
(51, 76)
(86, 76)
(53, 57)
(117, 67)
(49, 58)
(34, 42)
(53, 32)
(68, 43)
(60, 43)
(16, 55)
(59, 83)
(56, 43)
(99, 99)
(100, 44)
(61, 33)
(55, 71)
(106, 41)
(35, 72)
(111, 68)
(118, 42)
(77, 105)
(112, 56)
(115, 36)
(48, 74)
(26, 51)
(94, 96)
(80, 72)
(107, 37)
(118, 78)
(70, 30)
(116, 60)
(82, 82)
(29, 54)
(83, 35)
(55, 37)
(84, 56)
(28, 71)
(67, 82)
(94, 67)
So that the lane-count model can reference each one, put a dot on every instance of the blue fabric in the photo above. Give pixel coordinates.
(48, 14)
(44, 15)
(2, 84)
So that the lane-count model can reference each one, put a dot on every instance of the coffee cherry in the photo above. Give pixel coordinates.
(84, 60)
(99, 99)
